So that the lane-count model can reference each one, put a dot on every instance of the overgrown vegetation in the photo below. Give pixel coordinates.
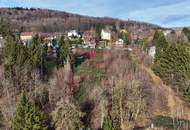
(125, 37)
(186, 31)
(172, 64)
(124, 94)
(25, 67)
(171, 123)
(144, 44)
(107, 123)
(95, 76)
(111, 92)
(67, 117)
(30, 58)
(63, 52)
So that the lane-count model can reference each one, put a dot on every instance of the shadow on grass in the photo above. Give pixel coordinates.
(171, 123)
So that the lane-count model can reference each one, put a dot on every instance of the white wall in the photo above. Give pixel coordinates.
(105, 35)
(152, 51)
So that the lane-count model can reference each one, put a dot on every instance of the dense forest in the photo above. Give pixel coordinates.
(44, 20)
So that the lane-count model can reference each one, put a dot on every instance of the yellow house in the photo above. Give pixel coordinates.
(123, 31)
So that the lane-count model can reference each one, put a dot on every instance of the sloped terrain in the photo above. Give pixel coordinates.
(45, 20)
(96, 81)
(115, 82)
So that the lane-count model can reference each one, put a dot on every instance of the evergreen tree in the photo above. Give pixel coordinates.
(63, 52)
(43, 60)
(186, 31)
(161, 44)
(80, 41)
(174, 67)
(54, 42)
(172, 63)
(107, 125)
(10, 47)
(114, 28)
(15, 57)
(10, 56)
(144, 43)
(116, 107)
(22, 54)
(98, 31)
(37, 54)
(125, 37)
(5, 28)
(27, 116)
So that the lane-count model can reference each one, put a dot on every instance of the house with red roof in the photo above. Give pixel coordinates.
(26, 36)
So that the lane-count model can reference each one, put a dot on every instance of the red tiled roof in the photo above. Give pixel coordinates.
(91, 54)
(26, 34)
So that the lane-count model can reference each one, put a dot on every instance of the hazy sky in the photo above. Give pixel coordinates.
(167, 13)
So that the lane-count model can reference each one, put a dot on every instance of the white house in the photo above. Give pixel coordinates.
(73, 33)
(152, 51)
(167, 32)
(105, 35)
(119, 43)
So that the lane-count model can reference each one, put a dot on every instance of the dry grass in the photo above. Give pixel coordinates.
(177, 107)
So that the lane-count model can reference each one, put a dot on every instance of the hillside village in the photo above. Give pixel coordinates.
(101, 74)
(106, 39)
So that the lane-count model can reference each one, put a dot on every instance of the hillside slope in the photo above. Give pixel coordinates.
(44, 20)
(115, 82)
(177, 107)
(98, 78)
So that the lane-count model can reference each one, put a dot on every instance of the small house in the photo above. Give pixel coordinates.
(152, 51)
(26, 36)
(106, 35)
(73, 33)
(167, 32)
(119, 43)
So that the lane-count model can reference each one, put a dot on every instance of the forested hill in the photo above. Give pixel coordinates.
(45, 20)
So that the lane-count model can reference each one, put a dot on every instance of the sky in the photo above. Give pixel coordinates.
(166, 13)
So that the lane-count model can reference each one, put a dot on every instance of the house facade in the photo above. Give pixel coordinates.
(152, 51)
(167, 32)
(73, 33)
(26, 36)
(106, 35)
(119, 43)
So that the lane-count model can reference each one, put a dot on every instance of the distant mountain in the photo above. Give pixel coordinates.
(45, 20)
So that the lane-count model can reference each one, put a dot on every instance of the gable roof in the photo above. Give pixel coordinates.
(26, 34)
